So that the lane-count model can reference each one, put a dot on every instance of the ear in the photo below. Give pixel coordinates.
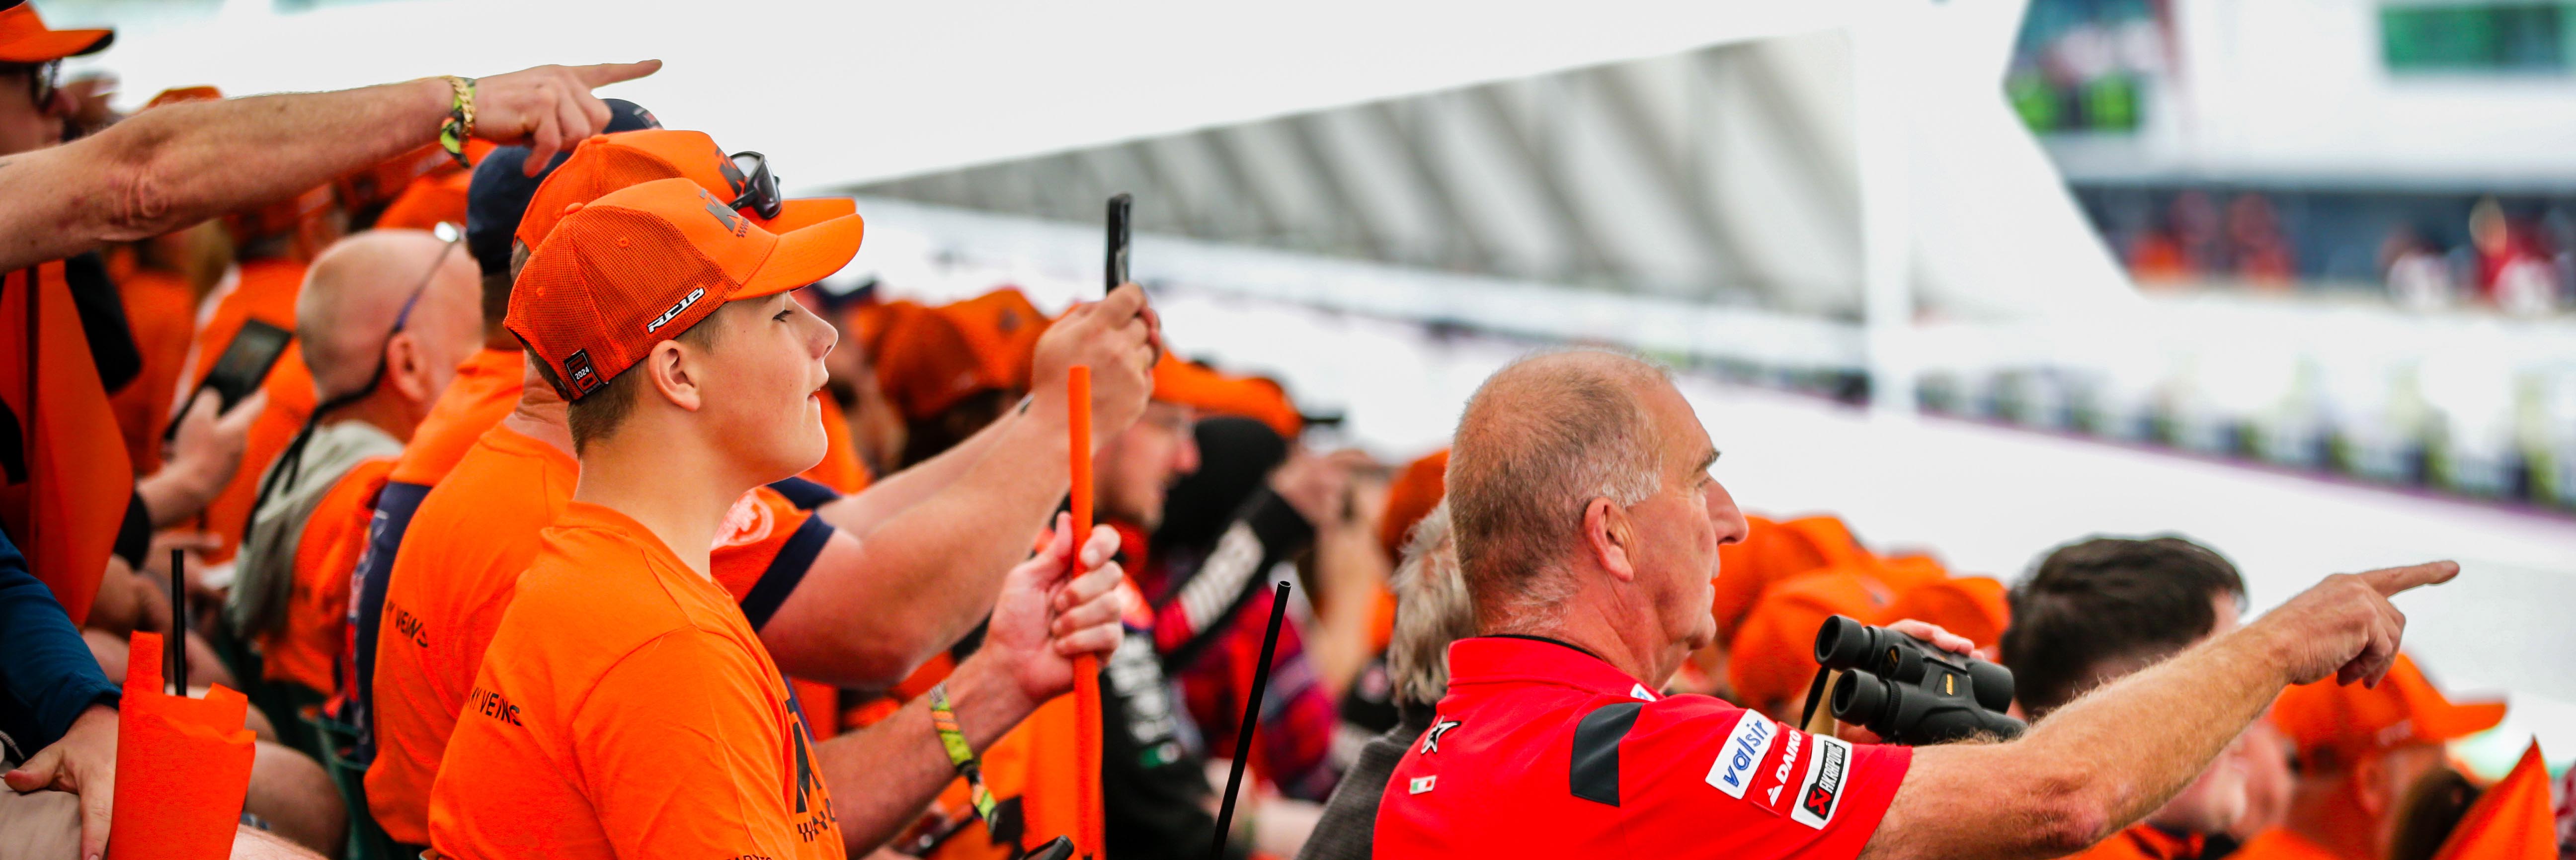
(1610, 537)
(677, 373)
(406, 369)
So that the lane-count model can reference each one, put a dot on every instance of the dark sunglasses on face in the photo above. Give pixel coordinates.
(43, 79)
(759, 187)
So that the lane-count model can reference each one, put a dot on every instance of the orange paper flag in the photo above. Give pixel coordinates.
(2512, 821)
(182, 766)
(1091, 840)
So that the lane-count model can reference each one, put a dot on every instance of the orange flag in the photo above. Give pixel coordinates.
(182, 766)
(65, 511)
(2512, 821)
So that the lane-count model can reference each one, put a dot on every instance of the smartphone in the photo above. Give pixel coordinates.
(239, 371)
(1117, 268)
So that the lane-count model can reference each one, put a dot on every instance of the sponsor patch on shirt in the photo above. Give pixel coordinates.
(1785, 771)
(1829, 765)
(1420, 784)
(1742, 756)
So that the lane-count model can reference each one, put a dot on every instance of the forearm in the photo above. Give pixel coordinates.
(2091, 767)
(49, 668)
(175, 165)
(881, 777)
(174, 494)
(862, 513)
(942, 560)
(1354, 569)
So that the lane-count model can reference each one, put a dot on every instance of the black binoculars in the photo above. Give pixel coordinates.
(1909, 692)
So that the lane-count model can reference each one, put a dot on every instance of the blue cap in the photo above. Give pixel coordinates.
(498, 196)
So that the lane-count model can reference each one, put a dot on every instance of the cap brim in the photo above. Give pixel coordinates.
(804, 256)
(2460, 720)
(804, 212)
(50, 45)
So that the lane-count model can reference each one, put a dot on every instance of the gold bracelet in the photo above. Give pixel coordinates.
(460, 119)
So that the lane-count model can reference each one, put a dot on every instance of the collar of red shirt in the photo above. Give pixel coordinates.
(1512, 659)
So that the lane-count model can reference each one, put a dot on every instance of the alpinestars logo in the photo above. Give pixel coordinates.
(1743, 753)
(685, 301)
(1821, 792)
(1431, 739)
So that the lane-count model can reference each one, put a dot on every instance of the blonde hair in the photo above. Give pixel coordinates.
(1432, 609)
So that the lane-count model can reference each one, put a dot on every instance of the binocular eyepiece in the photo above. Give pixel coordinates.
(1909, 692)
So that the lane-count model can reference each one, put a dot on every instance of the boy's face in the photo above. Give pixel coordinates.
(766, 368)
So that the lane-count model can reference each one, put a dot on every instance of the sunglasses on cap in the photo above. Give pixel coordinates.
(759, 186)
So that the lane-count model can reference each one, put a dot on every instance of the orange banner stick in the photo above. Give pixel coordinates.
(1093, 837)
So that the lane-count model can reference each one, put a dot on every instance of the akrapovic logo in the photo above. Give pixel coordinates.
(1745, 748)
(685, 301)
(1828, 768)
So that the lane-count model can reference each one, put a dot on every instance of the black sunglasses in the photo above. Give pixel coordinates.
(43, 79)
(759, 186)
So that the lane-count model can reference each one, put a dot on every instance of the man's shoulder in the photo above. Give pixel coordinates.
(588, 597)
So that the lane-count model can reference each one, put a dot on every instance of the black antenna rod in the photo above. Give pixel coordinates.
(1251, 713)
(177, 662)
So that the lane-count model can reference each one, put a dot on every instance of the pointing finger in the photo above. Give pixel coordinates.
(604, 74)
(2390, 581)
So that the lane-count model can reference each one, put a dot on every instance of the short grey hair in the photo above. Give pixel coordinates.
(1541, 439)
(1431, 610)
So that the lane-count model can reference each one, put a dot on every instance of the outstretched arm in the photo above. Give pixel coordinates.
(2108, 759)
(179, 164)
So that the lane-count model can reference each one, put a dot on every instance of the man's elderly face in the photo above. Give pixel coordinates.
(1680, 527)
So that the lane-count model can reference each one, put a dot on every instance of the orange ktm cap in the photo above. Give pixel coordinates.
(2512, 821)
(428, 202)
(1217, 393)
(1773, 654)
(926, 363)
(1004, 329)
(24, 38)
(1971, 606)
(1771, 552)
(1415, 491)
(2355, 719)
(643, 264)
(608, 162)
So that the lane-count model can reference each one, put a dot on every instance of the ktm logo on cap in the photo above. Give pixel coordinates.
(732, 221)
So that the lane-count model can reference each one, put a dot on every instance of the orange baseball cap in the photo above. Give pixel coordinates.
(1003, 328)
(1771, 552)
(1971, 606)
(608, 162)
(175, 95)
(430, 201)
(926, 363)
(1216, 393)
(643, 264)
(1773, 654)
(2511, 821)
(24, 38)
(2404, 708)
(1411, 497)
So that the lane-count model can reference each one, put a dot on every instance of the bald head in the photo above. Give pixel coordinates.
(1540, 440)
(355, 293)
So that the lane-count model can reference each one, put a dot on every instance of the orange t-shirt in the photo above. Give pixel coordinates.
(307, 650)
(161, 310)
(486, 388)
(2281, 844)
(2143, 841)
(629, 711)
(266, 291)
(457, 570)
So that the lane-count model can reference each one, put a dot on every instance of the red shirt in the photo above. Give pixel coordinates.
(1543, 750)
